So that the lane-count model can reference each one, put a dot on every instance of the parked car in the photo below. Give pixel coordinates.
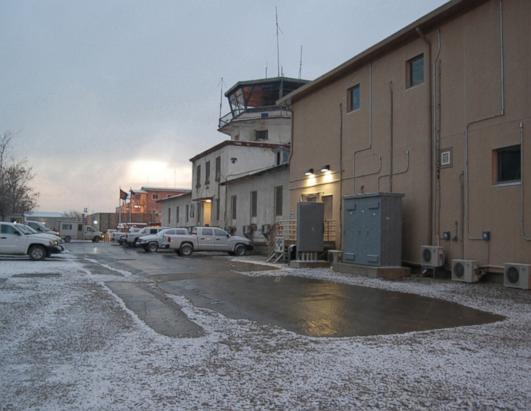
(209, 239)
(131, 238)
(77, 231)
(41, 227)
(16, 240)
(152, 242)
(56, 249)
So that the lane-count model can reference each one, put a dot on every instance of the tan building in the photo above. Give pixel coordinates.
(439, 111)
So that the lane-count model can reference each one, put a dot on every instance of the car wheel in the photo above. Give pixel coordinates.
(68, 239)
(240, 250)
(96, 240)
(186, 250)
(37, 252)
(152, 247)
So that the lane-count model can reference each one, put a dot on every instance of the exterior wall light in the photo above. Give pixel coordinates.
(309, 172)
(325, 169)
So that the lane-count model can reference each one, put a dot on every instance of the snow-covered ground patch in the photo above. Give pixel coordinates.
(69, 343)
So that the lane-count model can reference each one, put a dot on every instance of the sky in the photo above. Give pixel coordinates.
(104, 94)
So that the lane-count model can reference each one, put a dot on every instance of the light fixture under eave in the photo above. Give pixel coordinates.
(309, 172)
(325, 169)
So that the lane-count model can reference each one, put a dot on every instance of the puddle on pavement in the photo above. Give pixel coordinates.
(37, 275)
(159, 313)
(321, 308)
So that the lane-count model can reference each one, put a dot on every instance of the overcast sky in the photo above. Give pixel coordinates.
(120, 93)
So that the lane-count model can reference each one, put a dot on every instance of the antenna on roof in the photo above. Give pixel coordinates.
(300, 64)
(220, 97)
(278, 46)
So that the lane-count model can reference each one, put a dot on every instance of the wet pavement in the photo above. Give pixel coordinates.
(305, 306)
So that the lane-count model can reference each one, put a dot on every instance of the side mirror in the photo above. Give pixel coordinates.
(17, 233)
(228, 235)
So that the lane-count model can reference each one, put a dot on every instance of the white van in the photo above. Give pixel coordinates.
(69, 231)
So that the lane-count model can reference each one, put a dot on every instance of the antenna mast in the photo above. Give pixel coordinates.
(278, 46)
(221, 97)
(300, 65)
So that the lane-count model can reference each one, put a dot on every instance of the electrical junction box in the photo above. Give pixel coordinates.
(310, 227)
(372, 229)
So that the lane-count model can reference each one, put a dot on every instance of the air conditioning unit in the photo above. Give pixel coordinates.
(517, 276)
(432, 256)
(465, 271)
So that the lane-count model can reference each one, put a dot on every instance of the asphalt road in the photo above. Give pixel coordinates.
(305, 306)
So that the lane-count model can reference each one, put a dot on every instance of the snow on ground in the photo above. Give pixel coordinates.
(68, 343)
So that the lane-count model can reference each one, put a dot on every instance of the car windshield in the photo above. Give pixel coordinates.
(31, 230)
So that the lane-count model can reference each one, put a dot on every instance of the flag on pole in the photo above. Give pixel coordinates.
(123, 195)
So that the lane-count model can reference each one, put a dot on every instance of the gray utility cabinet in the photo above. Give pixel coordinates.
(310, 227)
(372, 229)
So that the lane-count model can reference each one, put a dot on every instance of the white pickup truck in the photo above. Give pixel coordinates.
(17, 240)
(208, 239)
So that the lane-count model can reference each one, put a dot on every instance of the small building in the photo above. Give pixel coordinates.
(257, 201)
(178, 211)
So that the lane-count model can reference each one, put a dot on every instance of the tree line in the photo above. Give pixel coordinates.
(16, 195)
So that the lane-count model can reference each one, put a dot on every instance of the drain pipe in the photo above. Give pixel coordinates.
(391, 135)
(501, 113)
(437, 136)
(526, 236)
(430, 127)
(369, 147)
(340, 173)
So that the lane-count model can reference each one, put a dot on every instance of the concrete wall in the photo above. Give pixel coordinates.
(377, 140)
(264, 184)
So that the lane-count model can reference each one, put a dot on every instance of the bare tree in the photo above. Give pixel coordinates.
(16, 195)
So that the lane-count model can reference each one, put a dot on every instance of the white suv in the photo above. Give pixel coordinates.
(14, 240)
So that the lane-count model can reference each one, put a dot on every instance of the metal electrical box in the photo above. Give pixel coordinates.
(310, 227)
(372, 229)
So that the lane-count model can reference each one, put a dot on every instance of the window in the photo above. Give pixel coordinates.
(187, 217)
(354, 98)
(155, 196)
(254, 203)
(66, 226)
(508, 165)
(219, 232)
(218, 168)
(198, 176)
(169, 216)
(8, 229)
(261, 135)
(415, 71)
(278, 158)
(278, 200)
(233, 206)
(207, 231)
(207, 172)
(177, 215)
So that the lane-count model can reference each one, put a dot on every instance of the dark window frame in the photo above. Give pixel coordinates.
(279, 195)
(507, 165)
(207, 172)
(351, 107)
(411, 80)
(254, 204)
(218, 168)
(264, 135)
(198, 176)
(234, 206)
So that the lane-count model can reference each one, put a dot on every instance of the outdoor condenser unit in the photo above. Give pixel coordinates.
(465, 271)
(432, 256)
(517, 276)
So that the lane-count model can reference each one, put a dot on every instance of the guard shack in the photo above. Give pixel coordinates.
(372, 235)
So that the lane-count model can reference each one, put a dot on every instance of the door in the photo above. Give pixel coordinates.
(221, 240)
(206, 210)
(12, 241)
(206, 239)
